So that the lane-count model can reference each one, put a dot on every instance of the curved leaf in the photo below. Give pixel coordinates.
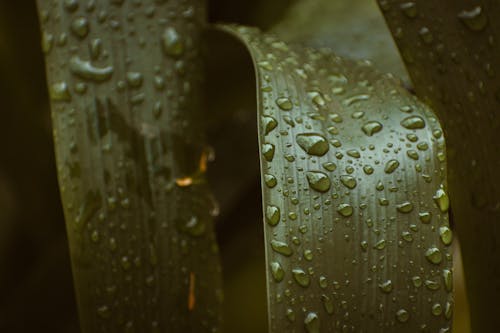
(454, 63)
(125, 85)
(354, 202)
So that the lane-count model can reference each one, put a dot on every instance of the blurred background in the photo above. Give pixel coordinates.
(36, 291)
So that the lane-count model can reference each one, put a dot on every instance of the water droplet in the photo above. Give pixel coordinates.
(353, 153)
(448, 279)
(448, 311)
(311, 323)
(409, 9)
(329, 166)
(301, 277)
(402, 315)
(442, 200)
(474, 19)
(345, 210)
(404, 207)
(172, 43)
(317, 98)
(437, 309)
(192, 226)
(60, 92)
(270, 180)
(391, 166)
(86, 70)
(281, 247)
(434, 255)
(273, 215)
(80, 27)
(327, 304)
(413, 122)
(284, 103)
(372, 127)
(417, 281)
(380, 245)
(313, 144)
(368, 169)
(348, 181)
(386, 286)
(413, 154)
(431, 285)
(446, 235)
(425, 217)
(308, 255)
(277, 271)
(104, 311)
(426, 35)
(268, 151)
(134, 79)
(71, 5)
(269, 124)
(47, 42)
(318, 181)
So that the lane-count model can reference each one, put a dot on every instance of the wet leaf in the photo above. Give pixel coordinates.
(454, 63)
(338, 238)
(125, 84)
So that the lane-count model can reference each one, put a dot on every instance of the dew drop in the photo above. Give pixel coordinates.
(269, 124)
(80, 27)
(474, 19)
(318, 181)
(442, 200)
(413, 122)
(172, 44)
(448, 279)
(402, 315)
(273, 214)
(86, 70)
(446, 235)
(311, 323)
(372, 127)
(348, 181)
(59, 92)
(404, 207)
(268, 151)
(277, 271)
(386, 286)
(284, 103)
(345, 210)
(313, 144)
(270, 180)
(391, 166)
(281, 248)
(301, 277)
(409, 9)
(434, 255)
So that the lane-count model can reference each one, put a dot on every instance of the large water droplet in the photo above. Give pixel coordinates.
(284, 103)
(270, 180)
(269, 124)
(281, 247)
(413, 122)
(372, 127)
(318, 181)
(268, 151)
(446, 235)
(313, 144)
(348, 181)
(404, 207)
(391, 166)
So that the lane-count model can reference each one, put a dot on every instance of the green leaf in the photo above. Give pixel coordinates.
(452, 53)
(354, 202)
(125, 86)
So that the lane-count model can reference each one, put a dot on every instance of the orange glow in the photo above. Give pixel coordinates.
(191, 297)
(184, 182)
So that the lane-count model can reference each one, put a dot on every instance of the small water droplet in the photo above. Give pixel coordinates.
(404, 207)
(386, 286)
(311, 323)
(80, 27)
(442, 200)
(59, 92)
(345, 210)
(433, 255)
(301, 277)
(86, 70)
(277, 271)
(409, 9)
(134, 79)
(273, 215)
(402, 315)
(446, 235)
(448, 279)
(474, 19)
(172, 43)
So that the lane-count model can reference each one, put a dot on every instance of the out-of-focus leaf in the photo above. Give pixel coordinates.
(452, 52)
(354, 195)
(125, 84)
(354, 29)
